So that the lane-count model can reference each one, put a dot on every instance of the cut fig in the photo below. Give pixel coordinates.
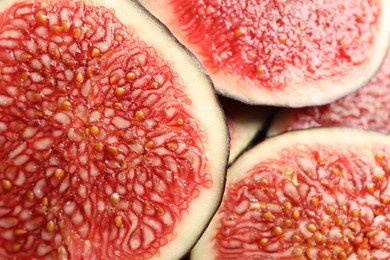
(112, 142)
(368, 108)
(310, 194)
(244, 122)
(289, 53)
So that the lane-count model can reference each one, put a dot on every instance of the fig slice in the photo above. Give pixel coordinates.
(112, 142)
(289, 53)
(245, 122)
(368, 108)
(318, 193)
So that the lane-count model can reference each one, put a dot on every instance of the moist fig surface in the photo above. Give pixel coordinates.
(310, 194)
(105, 145)
(290, 53)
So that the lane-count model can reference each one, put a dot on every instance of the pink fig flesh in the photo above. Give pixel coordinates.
(290, 53)
(368, 108)
(310, 194)
(102, 152)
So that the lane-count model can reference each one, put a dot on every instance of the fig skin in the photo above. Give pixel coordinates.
(197, 96)
(246, 124)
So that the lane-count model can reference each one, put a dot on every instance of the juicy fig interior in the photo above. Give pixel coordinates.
(289, 53)
(310, 194)
(105, 145)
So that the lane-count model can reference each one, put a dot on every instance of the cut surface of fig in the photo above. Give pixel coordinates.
(309, 194)
(290, 53)
(111, 137)
(368, 108)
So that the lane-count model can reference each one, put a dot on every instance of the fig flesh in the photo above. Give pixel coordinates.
(368, 108)
(307, 194)
(289, 53)
(112, 142)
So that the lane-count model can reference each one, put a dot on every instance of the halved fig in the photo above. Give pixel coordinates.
(368, 108)
(311, 194)
(112, 142)
(244, 122)
(287, 53)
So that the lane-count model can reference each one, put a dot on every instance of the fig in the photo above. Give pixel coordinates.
(245, 123)
(368, 108)
(289, 53)
(319, 193)
(112, 142)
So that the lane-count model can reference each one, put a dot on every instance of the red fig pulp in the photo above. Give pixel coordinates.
(289, 53)
(310, 194)
(105, 143)
(369, 108)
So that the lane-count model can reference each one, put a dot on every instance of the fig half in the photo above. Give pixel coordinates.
(286, 53)
(112, 142)
(309, 194)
